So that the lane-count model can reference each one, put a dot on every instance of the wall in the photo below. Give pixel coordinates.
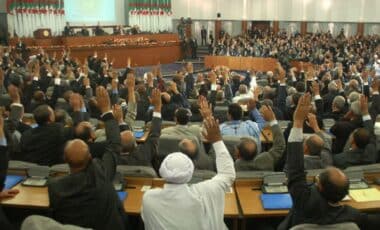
(3, 4)
(120, 12)
(281, 10)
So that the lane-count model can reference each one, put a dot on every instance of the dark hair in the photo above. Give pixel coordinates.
(85, 134)
(300, 87)
(314, 147)
(244, 152)
(361, 137)
(182, 116)
(235, 111)
(60, 116)
(331, 191)
(42, 114)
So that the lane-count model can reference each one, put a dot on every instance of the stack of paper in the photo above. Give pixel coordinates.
(365, 195)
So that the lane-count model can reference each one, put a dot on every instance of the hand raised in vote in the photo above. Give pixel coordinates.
(103, 99)
(212, 130)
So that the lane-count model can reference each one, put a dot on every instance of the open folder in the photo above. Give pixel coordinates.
(12, 180)
(276, 201)
(365, 195)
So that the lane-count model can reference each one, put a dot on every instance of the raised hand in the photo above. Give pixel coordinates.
(303, 107)
(130, 81)
(267, 113)
(313, 123)
(14, 94)
(75, 102)
(363, 101)
(204, 107)
(212, 130)
(155, 100)
(118, 113)
(103, 99)
(315, 88)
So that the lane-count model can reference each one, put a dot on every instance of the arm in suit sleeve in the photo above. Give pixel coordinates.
(3, 163)
(79, 116)
(374, 110)
(297, 184)
(281, 102)
(150, 147)
(319, 105)
(279, 144)
(326, 153)
(366, 89)
(130, 116)
(109, 158)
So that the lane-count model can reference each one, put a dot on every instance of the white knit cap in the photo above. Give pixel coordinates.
(177, 168)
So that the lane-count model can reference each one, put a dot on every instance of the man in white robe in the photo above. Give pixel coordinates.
(198, 206)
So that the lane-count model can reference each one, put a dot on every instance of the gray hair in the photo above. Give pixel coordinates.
(332, 87)
(355, 108)
(339, 102)
(354, 96)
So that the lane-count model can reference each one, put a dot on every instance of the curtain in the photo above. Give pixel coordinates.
(151, 15)
(290, 27)
(26, 16)
(371, 29)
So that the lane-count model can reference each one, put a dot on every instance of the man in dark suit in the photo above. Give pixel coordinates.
(144, 154)
(99, 30)
(375, 107)
(204, 36)
(43, 145)
(363, 143)
(92, 202)
(4, 223)
(319, 203)
(84, 32)
(68, 31)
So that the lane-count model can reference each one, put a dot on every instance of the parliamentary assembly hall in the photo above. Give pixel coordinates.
(189, 114)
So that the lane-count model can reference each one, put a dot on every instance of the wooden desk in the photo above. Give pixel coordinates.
(246, 63)
(230, 206)
(144, 137)
(29, 197)
(251, 205)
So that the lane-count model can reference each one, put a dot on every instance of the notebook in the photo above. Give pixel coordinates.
(139, 134)
(276, 201)
(122, 195)
(12, 180)
(364, 195)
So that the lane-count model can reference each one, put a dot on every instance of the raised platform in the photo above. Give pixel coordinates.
(163, 48)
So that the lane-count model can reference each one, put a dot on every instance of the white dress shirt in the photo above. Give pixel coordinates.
(198, 206)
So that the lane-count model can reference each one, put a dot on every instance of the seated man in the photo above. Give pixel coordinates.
(249, 159)
(243, 94)
(198, 206)
(200, 160)
(86, 197)
(236, 127)
(143, 154)
(183, 129)
(319, 203)
(362, 143)
(43, 145)
(316, 147)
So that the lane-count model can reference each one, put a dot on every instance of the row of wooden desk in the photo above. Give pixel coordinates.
(242, 203)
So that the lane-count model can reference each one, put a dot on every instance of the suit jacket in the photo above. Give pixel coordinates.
(204, 33)
(309, 206)
(265, 161)
(374, 110)
(145, 154)
(351, 157)
(43, 145)
(87, 198)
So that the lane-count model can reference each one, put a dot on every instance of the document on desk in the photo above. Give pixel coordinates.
(365, 195)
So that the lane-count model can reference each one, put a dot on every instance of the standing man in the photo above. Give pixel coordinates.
(204, 36)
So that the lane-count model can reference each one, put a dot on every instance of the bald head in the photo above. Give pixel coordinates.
(313, 145)
(188, 147)
(333, 184)
(128, 141)
(77, 155)
(84, 131)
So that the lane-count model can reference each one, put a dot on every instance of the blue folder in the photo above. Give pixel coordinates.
(122, 195)
(276, 201)
(139, 134)
(12, 180)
